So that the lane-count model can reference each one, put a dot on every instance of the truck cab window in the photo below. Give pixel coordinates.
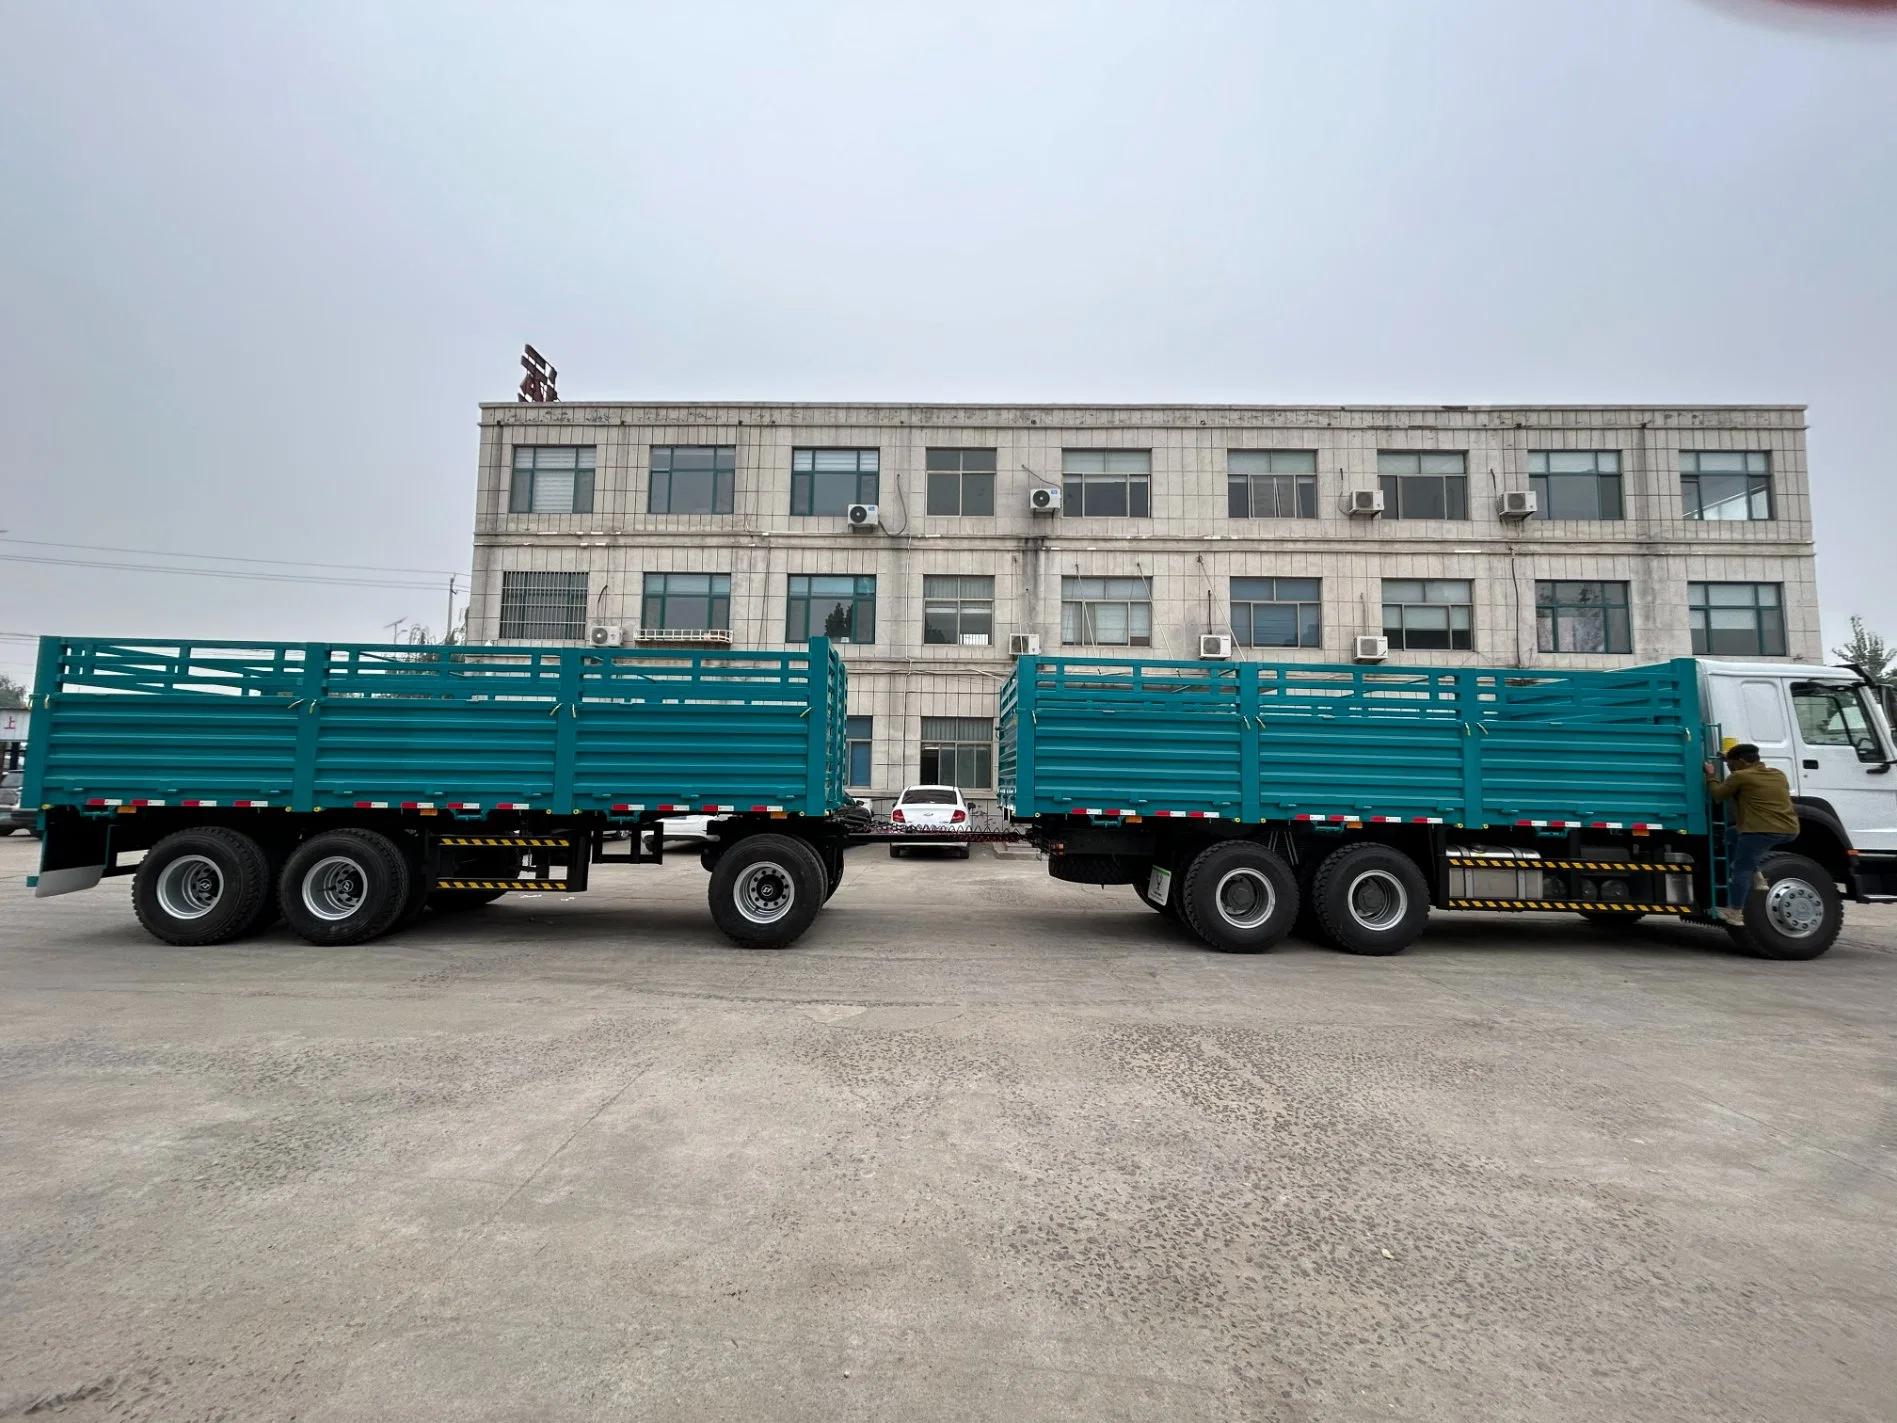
(1831, 714)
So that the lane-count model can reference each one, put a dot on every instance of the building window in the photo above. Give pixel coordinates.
(857, 732)
(1271, 484)
(552, 479)
(1105, 484)
(543, 607)
(1576, 484)
(1582, 616)
(958, 609)
(1106, 612)
(1736, 619)
(1276, 612)
(687, 602)
(692, 479)
(843, 609)
(829, 481)
(1726, 484)
(958, 751)
(1429, 614)
(1423, 486)
(961, 482)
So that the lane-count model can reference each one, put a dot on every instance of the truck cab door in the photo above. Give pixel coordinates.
(1754, 709)
(1843, 759)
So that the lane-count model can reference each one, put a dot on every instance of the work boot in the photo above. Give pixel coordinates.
(1759, 882)
(1732, 916)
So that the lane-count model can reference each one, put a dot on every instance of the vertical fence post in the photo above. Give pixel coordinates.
(1250, 793)
(817, 733)
(566, 734)
(307, 709)
(1469, 702)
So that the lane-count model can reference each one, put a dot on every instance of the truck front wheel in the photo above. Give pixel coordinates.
(1370, 899)
(202, 886)
(1239, 897)
(344, 886)
(1796, 916)
(766, 890)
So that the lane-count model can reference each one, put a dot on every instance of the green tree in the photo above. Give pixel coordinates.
(1868, 650)
(12, 695)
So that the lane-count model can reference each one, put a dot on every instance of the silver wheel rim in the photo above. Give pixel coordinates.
(190, 887)
(764, 892)
(334, 888)
(1245, 898)
(1794, 908)
(1377, 900)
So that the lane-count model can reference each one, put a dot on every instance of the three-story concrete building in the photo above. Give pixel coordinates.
(1289, 533)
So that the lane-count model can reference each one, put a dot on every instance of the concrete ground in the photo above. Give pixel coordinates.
(983, 1146)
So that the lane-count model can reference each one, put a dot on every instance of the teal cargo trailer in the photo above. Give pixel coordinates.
(350, 786)
(1247, 798)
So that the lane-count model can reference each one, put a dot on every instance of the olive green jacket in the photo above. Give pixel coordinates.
(1761, 797)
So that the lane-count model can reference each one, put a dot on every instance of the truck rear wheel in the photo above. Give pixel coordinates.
(1239, 897)
(1370, 899)
(203, 886)
(344, 886)
(766, 890)
(1796, 916)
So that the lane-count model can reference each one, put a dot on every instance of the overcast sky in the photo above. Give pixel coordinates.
(258, 262)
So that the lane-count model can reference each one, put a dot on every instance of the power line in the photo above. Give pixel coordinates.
(228, 558)
(313, 579)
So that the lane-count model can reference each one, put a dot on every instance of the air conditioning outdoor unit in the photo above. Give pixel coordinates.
(1363, 503)
(605, 635)
(863, 517)
(1215, 647)
(1024, 644)
(1517, 504)
(1371, 649)
(1044, 501)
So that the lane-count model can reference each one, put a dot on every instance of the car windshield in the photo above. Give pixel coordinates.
(929, 795)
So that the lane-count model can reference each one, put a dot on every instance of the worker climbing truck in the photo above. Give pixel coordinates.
(348, 788)
(1247, 799)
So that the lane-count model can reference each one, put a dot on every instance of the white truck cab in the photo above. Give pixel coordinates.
(1826, 729)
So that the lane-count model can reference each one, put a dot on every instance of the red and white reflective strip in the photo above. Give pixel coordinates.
(1185, 814)
(249, 804)
(662, 809)
(1548, 824)
(1646, 825)
(767, 810)
(627, 809)
(1337, 819)
(719, 809)
(99, 802)
(1077, 810)
(512, 805)
(418, 805)
(1605, 825)
(372, 805)
(195, 804)
(464, 805)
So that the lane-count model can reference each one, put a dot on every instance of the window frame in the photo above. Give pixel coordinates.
(724, 480)
(1107, 599)
(575, 608)
(1241, 486)
(803, 481)
(1075, 482)
(712, 597)
(1394, 483)
(1540, 481)
(862, 605)
(939, 477)
(1402, 639)
(522, 491)
(1310, 630)
(967, 603)
(1555, 605)
(1699, 609)
(1758, 488)
(852, 741)
(954, 738)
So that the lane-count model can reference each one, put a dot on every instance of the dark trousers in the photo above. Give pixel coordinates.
(1748, 850)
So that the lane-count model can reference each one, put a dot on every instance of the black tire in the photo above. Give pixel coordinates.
(201, 886)
(1370, 899)
(8, 829)
(1239, 897)
(1307, 926)
(269, 912)
(1797, 916)
(1612, 918)
(766, 890)
(895, 852)
(961, 852)
(344, 887)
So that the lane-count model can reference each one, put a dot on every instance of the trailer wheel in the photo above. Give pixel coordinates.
(1239, 897)
(1797, 915)
(201, 886)
(766, 889)
(344, 886)
(1371, 899)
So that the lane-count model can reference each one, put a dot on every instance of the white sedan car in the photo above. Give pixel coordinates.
(936, 808)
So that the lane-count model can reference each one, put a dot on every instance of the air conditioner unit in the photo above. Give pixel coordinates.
(605, 634)
(1517, 504)
(1371, 649)
(1044, 501)
(1363, 503)
(1024, 644)
(863, 517)
(1215, 646)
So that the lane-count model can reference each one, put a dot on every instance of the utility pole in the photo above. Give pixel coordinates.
(447, 631)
